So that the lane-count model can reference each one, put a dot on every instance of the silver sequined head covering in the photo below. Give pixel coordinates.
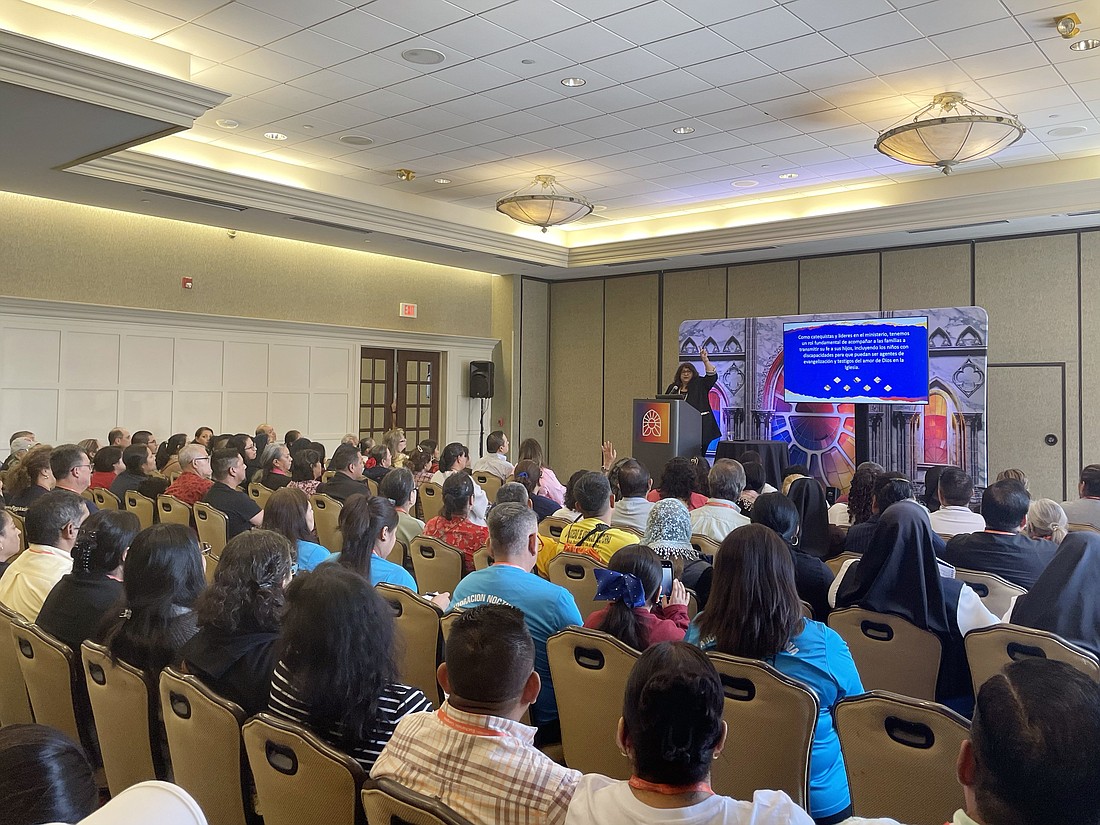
(668, 530)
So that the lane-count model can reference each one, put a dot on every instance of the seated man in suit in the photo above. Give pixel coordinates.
(348, 481)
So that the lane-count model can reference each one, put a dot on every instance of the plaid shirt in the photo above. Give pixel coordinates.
(485, 768)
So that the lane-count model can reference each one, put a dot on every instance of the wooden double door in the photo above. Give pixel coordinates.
(399, 388)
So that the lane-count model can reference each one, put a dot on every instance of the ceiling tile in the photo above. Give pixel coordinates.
(476, 76)
(947, 15)
(345, 114)
(630, 65)
(304, 14)
(693, 47)
(311, 47)
(247, 23)
(292, 97)
(828, 73)
(791, 145)
(307, 126)
(382, 103)
(1030, 80)
(821, 121)
(428, 89)
(903, 56)
(1002, 61)
(735, 68)
(1000, 34)
(205, 43)
(788, 108)
(183, 9)
(762, 28)
(615, 99)
(421, 16)
(585, 43)
(567, 111)
(476, 36)
(649, 22)
(252, 112)
(709, 12)
(601, 126)
(523, 95)
(653, 114)
(705, 102)
(765, 88)
(595, 9)
(434, 119)
(478, 107)
(376, 70)
(527, 60)
(134, 18)
(532, 19)
(670, 84)
(799, 52)
(875, 33)
(271, 64)
(862, 91)
(363, 31)
(228, 79)
(824, 16)
(328, 82)
(737, 118)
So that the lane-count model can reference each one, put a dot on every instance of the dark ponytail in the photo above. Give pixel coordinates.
(640, 561)
(361, 523)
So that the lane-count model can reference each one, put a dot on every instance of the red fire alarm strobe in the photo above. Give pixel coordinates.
(407, 311)
(187, 283)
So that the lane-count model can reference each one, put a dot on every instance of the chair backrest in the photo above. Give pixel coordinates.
(705, 544)
(807, 609)
(121, 707)
(372, 486)
(104, 499)
(48, 671)
(763, 705)
(995, 593)
(632, 530)
(1082, 528)
(18, 519)
(298, 777)
(259, 493)
(989, 649)
(437, 565)
(446, 623)
(326, 518)
(551, 527)
(173, 511)
(211, 525)
(204, 740)
(900, 756)
(590, 670)
(417, 621)
(386, 801)
(15, 703)
(488, 482)
(889, 652)
(141, 506)
(837, 562)
(482, 559)
(429, 496)
(172, 476)
(574, 572)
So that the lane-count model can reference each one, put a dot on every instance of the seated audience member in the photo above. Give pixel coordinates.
(547, 607)
(369, 528)
(348, 481)
(1064, 599)
(668, 534)
(453, 526)
(512, 492)
(1013, 474)
(291, 436)
(72, 470)
(671, 730)
(1001, 548)
(475, 755)
(495, 460)
(241, 511)
(754, 612)
(791, 474)
(30, 480)
(899, 575)
(1086, 509)
(341, 683)
(753, 457)
(265, 434)
(678, 481)
(288, 513)
(422, 463)
(568, 510)
(702, 470)
(379, 463)
(630, 482)
(808, 497)
(44, 777)
(168, 455)
(78, 603)
(365, 446)
(636, 615)
(119, 437)
(52, 525)
(106, 466)
(1046, 520)
(11, 541)
(194, 480)
(234, 651)
(593, 534)
(140, 462)
(549, 486)
(529, 474)
(162, 577)
(18, 446)
(395, 441)
(812, 577)
(275, 467)
(398, 486)
(954, 515)
(455, 459)
(721, 515)
(306, 470)
(930, 498)
(1034, 749)
(856, 506)
(890, 488)
(754, 486)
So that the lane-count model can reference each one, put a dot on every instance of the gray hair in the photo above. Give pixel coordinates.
(510, 525)
(512, 492)
(726, 479)
(1046, 519)
(190, 452)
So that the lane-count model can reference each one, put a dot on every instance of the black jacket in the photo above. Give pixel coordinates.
(235, 666)
(77, 605)
(342, 487)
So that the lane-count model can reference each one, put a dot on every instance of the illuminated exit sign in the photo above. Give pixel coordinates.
(407, 311)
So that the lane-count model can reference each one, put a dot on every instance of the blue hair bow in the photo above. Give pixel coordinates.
(613, 586)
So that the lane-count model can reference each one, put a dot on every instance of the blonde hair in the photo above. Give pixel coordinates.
(1013, 474)
(1046, 520)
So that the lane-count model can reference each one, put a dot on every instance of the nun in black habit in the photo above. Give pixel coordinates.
(813, 537)
(899, 575)
(695, 389)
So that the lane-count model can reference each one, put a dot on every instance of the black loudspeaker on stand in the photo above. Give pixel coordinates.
(481, 379)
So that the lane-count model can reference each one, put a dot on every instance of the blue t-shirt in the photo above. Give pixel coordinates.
(546, 607)
(382, 570)
(819, 658)
(310, 555)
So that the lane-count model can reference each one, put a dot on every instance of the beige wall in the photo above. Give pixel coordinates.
(1029, 286)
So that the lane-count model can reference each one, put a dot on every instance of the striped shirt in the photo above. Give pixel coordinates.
(485, 768)
(396, 701)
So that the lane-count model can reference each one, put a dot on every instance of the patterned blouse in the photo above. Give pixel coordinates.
(461, 533)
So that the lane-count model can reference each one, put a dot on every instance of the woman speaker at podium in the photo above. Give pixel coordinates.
(695, 389)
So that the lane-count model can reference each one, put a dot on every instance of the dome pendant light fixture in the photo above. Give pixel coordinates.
(545, 203)
(950, 131)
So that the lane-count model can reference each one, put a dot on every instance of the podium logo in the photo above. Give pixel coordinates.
(651, 422)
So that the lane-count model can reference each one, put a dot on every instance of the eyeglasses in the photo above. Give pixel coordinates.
(200, 458)
(83, 467)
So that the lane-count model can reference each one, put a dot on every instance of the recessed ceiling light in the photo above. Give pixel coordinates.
(425, 57)
(307, 126)
(683, 130)
(527, 61)
(226, 123)
(356, 140)
(442, 180)
(788, 176)
(573, 82)
(274, 136)
(745, 184)
(1066, 131)
(1084, 45)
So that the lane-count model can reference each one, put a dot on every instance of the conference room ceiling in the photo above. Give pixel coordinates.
(785, 100)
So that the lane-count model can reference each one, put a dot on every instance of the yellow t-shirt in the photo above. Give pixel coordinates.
(585, 538)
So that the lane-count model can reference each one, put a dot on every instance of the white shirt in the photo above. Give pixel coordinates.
(631, 512)
(599, 800)
(717, 519)
(951, 521)
(838, 514)
(152, 801)
(481, 501)
(1083, 511)
(496, 464)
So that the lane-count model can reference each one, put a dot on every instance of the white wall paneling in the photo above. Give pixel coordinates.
(70, 371)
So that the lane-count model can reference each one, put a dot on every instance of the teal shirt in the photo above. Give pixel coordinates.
(383, 570)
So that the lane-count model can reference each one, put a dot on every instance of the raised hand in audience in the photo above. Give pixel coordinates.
(609, 455)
